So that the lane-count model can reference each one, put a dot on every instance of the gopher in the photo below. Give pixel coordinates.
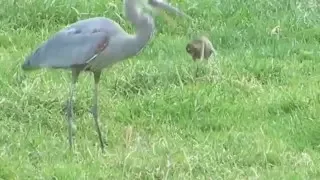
(200, 48)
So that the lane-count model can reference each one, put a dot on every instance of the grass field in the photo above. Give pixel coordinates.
(252, 114)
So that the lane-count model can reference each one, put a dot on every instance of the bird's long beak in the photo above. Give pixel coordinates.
(160, 4)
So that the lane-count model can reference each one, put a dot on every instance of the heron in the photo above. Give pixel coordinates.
(91, 45)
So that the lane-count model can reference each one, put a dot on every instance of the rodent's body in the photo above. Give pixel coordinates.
(200, 48)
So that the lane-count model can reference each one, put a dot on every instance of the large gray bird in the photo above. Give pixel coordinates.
(94, 44)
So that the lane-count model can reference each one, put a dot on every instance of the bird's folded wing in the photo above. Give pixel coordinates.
(68, 48)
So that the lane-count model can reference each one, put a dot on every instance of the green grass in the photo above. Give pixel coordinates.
(252, 114)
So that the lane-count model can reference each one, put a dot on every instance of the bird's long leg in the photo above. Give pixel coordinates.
(95, 107)
(71, 126)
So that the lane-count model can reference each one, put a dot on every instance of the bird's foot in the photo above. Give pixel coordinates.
(103, 139)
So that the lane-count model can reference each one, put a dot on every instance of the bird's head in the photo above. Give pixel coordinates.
(158, 6)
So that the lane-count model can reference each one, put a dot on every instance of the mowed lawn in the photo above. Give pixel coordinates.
(252, 113)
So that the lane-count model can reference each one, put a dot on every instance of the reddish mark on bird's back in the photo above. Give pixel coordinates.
(102, 45)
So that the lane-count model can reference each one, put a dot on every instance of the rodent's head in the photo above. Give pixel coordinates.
(194, 46)
(189, 48)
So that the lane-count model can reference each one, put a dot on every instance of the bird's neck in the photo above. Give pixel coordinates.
(143, 35)
(144, 25)
(135, 43)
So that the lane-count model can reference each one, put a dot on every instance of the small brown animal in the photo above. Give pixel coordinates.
(200, 48)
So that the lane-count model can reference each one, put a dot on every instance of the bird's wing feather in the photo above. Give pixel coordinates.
(74, 45)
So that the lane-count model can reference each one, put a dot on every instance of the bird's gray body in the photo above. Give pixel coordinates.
(77, 45)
